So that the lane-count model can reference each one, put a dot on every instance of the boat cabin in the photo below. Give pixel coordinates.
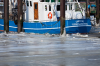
(49, 10)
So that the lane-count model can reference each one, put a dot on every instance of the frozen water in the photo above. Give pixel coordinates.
(49, 50)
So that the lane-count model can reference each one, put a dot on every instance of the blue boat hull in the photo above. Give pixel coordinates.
(71, 26)
(12, 26)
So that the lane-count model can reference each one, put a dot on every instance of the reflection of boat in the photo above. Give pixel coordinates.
(43, 17)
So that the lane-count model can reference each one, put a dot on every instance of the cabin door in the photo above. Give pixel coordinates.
(35, 10)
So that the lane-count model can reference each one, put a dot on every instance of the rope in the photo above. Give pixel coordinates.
(53, 26)
(49, 25)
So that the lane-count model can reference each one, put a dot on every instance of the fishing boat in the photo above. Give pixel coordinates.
(43, 16)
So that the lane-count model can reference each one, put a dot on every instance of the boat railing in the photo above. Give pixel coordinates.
(47, 21)
(40, 21)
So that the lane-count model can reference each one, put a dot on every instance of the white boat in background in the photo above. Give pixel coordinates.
(42, 16)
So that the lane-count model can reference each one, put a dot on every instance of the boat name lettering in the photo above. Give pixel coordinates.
(80, 21)
(79, 24)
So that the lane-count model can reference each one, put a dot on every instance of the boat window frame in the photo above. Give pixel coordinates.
(54, 0)
(58, 9)
(27, 2)
(49, 7)
(36, 6)
(70, 6)
(31, 3)
(65, 7)
(46, 8)
(41, 0)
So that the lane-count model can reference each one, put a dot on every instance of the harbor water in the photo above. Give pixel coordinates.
(49, 50)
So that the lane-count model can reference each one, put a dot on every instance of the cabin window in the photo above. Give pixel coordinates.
(52, 0)
(35, 6)
(70, 7)
(27, 3)
(49, 8)
(41, 0)
(47, 0)
(30, 3)
(65, 7)
(58, 7)
(45, 7)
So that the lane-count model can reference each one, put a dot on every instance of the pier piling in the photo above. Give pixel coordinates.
(97, 9)
(19, 16)
(6, 16)
(87, 8)
(62, 16)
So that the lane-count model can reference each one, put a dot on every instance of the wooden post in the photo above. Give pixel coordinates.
(87, 9)
(62, 16)
(19, 16)
(6, 15)
(97, 11)
(22, 15)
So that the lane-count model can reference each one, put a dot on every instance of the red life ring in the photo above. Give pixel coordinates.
(50, 15)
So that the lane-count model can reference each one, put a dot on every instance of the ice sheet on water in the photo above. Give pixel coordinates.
(31, 38)
(30, 47)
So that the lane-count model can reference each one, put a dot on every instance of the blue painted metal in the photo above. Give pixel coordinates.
(1, 24)
(45, 27)
(72, 26)
(12, 25)
(88, 6)
(93, 5)
(78, 26)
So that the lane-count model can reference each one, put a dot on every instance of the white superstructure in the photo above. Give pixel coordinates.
(12, 4)
(38, 10)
